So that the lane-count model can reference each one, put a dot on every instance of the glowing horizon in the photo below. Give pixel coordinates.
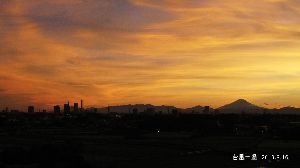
(182, 53)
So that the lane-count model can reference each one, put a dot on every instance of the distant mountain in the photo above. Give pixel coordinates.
(237, 106)
(241, 105)
(286, 110)
(130, 108)
(196, 110)
(138, 108)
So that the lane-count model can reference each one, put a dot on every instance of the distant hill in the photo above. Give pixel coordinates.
(196, 110)
(149, 107)
(286, 110)
(241, 105)
(237, 106)
(138, 108)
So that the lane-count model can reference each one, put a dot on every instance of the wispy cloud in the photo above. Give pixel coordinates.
(140, 51)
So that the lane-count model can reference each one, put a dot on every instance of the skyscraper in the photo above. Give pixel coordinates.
(67, 108)
(30, 109)
(76, 109)
(56, 109)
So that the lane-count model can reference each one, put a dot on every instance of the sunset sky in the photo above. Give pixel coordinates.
(172, 52)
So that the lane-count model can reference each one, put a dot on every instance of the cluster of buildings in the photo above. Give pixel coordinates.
(67, 108)
(138, 108)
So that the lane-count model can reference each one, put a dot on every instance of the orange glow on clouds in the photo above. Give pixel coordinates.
(182, 53)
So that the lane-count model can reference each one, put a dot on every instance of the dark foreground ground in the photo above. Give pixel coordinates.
(154, 141)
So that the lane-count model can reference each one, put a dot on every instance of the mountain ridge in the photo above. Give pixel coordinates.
(240, 104)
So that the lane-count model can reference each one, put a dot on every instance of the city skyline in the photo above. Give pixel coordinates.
(237, 106)
(181, 53)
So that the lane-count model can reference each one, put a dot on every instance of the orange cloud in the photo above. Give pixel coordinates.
(162, 52)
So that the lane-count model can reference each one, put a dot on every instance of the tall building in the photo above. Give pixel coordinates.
(67, 108)
(30, 109)
(81, 104)
(56, 109)
(76, 109)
